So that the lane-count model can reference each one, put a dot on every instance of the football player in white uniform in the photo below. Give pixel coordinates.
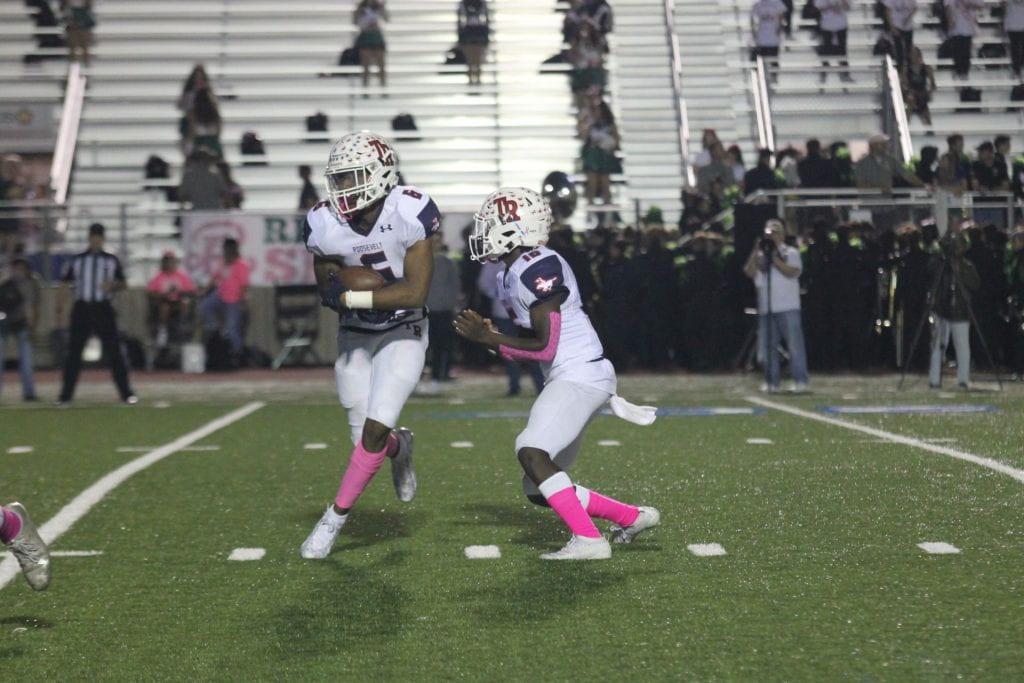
(369, 220)
(542, 296)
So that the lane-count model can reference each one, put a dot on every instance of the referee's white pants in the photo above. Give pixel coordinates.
(557, 420)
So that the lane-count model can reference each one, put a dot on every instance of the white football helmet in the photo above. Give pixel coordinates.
(362, 169)
(511, 217)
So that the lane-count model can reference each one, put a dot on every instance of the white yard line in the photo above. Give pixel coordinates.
(892, 437)
(611, 443)
(69, 553)
(15, 450)
(760, 441)
(462, 444)
(482, 552)
(939, 548)
(147, 449)
(247, 554)
(315, 446)
(706, 549)
(60, 523)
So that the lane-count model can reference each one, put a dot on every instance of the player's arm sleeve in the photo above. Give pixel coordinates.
(546, 321)
(543, 281)
(422, 218)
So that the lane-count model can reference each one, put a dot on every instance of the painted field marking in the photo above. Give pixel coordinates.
(664, 411)
(80, 505)
(147, 449)
(949, 409)
(456, 401)
(315, 446)
(760, 442)
(939, 548)
(161, 404)
(706, 549)
(482, 552)
(247, 554)
(69, 553)
(609, 442)
(462, 444)
(892, 437)
(15, 450)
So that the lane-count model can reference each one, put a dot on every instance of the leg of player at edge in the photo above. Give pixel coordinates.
(19, 534)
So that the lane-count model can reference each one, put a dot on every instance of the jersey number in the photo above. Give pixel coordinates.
(412, 193)
(532, 255)
(372, 259)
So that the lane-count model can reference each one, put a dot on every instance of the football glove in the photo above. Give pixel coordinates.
(330, 296)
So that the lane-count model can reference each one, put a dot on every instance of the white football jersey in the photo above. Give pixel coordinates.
(408, 216)
(537, 276)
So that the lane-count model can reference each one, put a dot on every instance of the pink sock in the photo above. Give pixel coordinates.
(361, 468)
(604, 507)
(11, 526)
(561, 496)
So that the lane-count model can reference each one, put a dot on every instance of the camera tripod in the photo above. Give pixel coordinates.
(933, 290)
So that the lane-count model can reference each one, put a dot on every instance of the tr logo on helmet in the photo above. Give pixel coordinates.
(384, 153)
(508, 209)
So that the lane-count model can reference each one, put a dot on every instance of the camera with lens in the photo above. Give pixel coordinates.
(766, 243)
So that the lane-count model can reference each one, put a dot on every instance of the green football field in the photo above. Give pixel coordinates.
(822, 575)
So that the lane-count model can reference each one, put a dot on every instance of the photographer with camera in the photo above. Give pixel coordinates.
(955, 280)
(775, 268)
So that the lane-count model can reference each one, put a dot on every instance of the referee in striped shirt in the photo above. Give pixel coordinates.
(96, 276)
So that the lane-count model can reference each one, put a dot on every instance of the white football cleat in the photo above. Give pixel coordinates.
(402, 473)
(30, 550)
(649, 517)
(318, 544)
(582, 548)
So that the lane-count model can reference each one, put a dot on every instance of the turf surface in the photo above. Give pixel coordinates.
(823, 578)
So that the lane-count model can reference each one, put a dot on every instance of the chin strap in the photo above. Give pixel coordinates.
(545, 355)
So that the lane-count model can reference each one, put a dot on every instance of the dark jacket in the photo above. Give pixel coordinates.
(957, 282)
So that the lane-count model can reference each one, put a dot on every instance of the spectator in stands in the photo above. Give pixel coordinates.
(170, 294)
(778, 266)
(918, 81)
(954, 166)
(707, 140)
(1015, 289)
(202, 185)
(900, 18)
(599, 155)
(762, 176)
(1013, 25)
(786, 161)
(20, 293)
(368, 16)
(839, 155)
(832, 31)
(598, 15)
(715, 171)
(587, 58)
(1002, 144)
(927, 165)
(767, 18)
(80, 21)
(204, 123)
(734, 159)
(957, 281)
(197, 80)
(308, 196)
(474, 30)
(572, 22)
(962, 18)
(223, 305)
(878, 170)
(14, 187)
(814, 170)
(442, 299)
(235, 195)
(989, 176)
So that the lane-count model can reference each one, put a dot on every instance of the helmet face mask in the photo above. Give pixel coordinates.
(361, 171)
(509, 218)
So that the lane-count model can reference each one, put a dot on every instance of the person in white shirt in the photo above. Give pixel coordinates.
(900, 17)
(767, 19)
(832, 30)
(1013, 25)
(962, 19)
(778, 304)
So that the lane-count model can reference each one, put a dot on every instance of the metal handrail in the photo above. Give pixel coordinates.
(682, 119)
(766, 128)
(899, 109)
(67, 137)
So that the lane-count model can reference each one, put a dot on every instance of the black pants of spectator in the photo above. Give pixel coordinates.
(87, 319)
(960, 47)
(1016, 50)
(442, 344)
(833, 44)
(903, 43)
(789, 18)
(771, 59)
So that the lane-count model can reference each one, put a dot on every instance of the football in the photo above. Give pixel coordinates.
(355, 278)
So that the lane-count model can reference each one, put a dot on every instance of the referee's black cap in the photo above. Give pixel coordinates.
(97, 229)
